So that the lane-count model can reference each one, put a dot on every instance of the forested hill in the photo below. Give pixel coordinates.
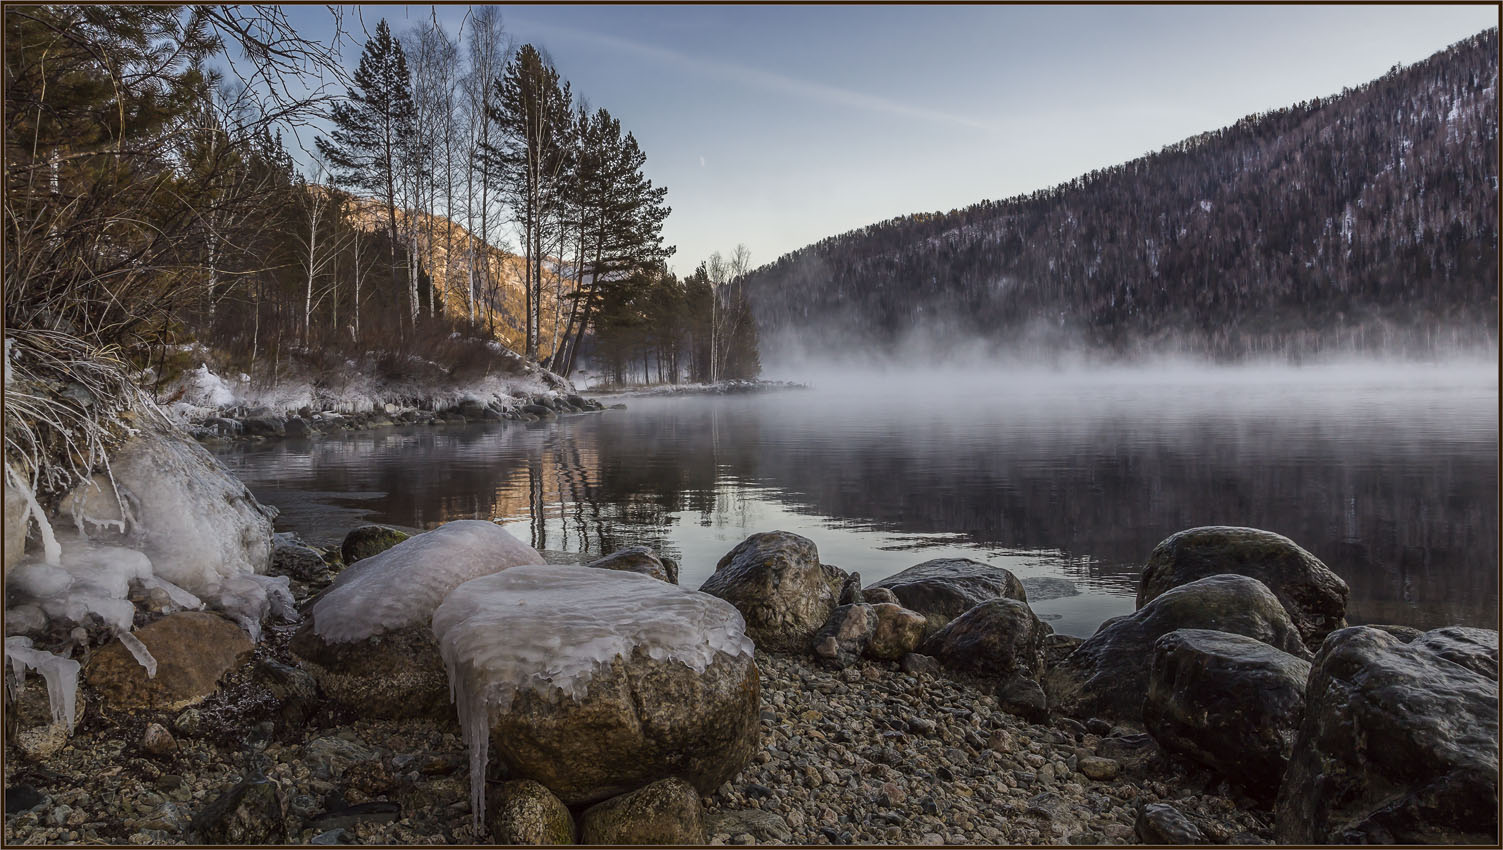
(1362, 221)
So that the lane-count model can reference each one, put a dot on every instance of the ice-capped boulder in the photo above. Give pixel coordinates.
(1398, 746)
(367, 639)
(945, 588)
(598, 682)
(196, 522)
(775, 580)
(1314, 596)
(1107, 675)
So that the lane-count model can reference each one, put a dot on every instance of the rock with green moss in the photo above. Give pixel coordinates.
(1314, 596)
(1107, 675)
(666, 812)
(526, 812)
(368, 540)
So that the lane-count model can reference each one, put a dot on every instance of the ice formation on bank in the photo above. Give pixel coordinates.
(60, 673)
(402, 586)
(549, 629)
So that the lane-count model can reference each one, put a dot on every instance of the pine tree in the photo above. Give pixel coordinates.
(373, 133)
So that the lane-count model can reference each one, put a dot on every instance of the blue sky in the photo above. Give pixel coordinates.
(779, 125)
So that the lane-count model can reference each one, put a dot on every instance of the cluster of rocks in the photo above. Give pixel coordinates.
(264, 423)
(734, 386)
(1234, 706)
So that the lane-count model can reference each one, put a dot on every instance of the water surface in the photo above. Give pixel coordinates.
(1388, 474)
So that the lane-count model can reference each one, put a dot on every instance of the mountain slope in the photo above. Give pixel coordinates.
(1364, 221)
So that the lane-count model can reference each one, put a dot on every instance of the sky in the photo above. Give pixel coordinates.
(775, 126)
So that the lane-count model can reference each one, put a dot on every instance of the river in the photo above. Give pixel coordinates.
(1388, 473)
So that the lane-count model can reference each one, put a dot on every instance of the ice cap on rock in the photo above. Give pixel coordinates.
(402, 586)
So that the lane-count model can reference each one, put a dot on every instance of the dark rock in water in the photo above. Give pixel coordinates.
(775, 580)
(1474, 649)
(666, 812)
(945, 588)
(899, 631)
(850, 590)
(538, 410)
(396, 674)
(292, 557)
(1041, 588)
(1229, 702)
(193, 650)
(525, 812)
(1161, 823)
(349, 817)
(1107, 676)
(844, 637)
(1314, 596)
(251, 812)
(913, 664)
(298, 428)
(638, 559)
(999, 638)
(760, 824)
(22, 798)
(368, 540)
(878, 596)
(1023, 697)
(640, 720)
(1404, 633)
(263, 426)
(222, 427)
(1397, 747)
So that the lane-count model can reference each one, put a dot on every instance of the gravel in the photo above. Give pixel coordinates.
(866, 755)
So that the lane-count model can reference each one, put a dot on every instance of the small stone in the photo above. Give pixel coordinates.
(1099, 769)
(913, 664)
(189, 723)
(157, 741)
(1161, 823)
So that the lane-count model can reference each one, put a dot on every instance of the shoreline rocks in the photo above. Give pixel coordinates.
(776, 581)
(945, 588)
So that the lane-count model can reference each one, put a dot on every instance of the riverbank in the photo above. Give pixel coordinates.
(869, 755)
(731, 387)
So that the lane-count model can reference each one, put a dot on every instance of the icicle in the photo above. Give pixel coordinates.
(17, 666)
(181, 598)
(61, 675)
(52, 553)
(139, 651)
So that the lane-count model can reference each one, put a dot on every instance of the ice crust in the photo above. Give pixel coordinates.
(61, 675)
(402, 586)
(549, 629)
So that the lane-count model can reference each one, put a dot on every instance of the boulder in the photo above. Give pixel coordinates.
(193, 650)
(898, 632)
(666, 812)
(598, 682)
(638, 559)
(524, 812)
(998, 638)
(1107, 675)
(1229, 702)
(298, 428)
(368, 641)
(1163, 824)
(1397, 747)
(295, 559)
(253, 811)
(845, 636)
(264, 426)
(850, 590)
(945, 588)
(1474, 649)
(775, 580)
(1314, 596)
(197, 523)
(879, 595)
(1023, 697)
(368, 540)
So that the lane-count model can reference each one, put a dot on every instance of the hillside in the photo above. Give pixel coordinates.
(1365, 221)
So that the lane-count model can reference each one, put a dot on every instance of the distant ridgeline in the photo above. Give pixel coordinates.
(1364, 222)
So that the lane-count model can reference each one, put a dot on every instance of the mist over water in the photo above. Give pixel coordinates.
(1387, 471)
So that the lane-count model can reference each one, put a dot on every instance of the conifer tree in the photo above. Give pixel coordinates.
(373, 132)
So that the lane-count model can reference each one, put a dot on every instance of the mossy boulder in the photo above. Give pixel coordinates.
(368, 540)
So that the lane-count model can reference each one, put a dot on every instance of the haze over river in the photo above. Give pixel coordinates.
(1388, 473)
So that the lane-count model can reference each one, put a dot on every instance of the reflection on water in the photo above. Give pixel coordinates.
(1389, 476)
